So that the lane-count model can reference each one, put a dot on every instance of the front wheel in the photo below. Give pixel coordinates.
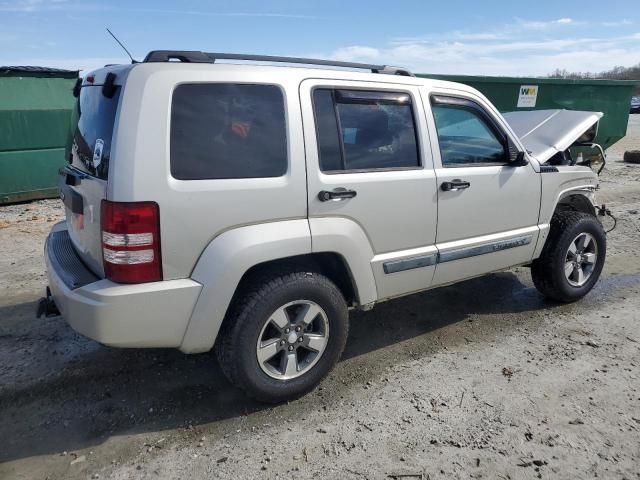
(283, 335)
(572, 258)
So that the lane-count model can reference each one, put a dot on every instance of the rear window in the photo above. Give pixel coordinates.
(224, 130)
(92, 126)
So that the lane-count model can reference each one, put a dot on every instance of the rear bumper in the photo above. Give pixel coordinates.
(142, 315)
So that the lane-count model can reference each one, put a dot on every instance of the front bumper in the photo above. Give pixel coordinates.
(141, 315)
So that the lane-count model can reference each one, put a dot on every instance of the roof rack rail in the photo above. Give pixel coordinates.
(192, 56)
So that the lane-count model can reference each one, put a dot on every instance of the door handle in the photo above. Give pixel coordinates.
(337, 194)
(454, 185)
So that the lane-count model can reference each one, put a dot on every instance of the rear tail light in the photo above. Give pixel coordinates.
(131, 241)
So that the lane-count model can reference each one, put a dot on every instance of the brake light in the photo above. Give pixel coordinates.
(131, 241)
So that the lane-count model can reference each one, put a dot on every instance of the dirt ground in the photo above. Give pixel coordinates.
(484, 379)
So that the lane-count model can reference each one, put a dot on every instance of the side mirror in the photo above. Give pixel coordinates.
(516, 156)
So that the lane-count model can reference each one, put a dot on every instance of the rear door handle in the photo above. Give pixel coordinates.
(454, 185)
(337, 194)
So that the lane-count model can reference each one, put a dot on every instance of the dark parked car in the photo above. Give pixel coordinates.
(635, 105)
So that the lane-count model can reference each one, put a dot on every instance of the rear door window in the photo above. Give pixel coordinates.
(224, 130)
(93, 123)
(365, 130)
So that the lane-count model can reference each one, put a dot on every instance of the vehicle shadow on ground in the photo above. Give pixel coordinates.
(62, 392)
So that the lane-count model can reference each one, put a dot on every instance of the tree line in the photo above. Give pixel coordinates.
(616, 73)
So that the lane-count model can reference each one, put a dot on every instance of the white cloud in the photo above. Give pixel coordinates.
(508, 50)
(26, 6)
(518, 29)
(217, 14)
(346, 54)
(32, 6)
(547, 24)
(477, 35)
(620, 23)
(455, 35)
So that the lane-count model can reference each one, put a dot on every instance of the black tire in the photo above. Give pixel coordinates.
(253, 306)
(632, 156)
(548, 270)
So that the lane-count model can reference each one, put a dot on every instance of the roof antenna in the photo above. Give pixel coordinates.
(123, 47)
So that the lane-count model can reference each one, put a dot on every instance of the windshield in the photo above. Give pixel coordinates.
(91, 131)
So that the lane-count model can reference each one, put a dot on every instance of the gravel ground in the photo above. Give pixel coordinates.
(500, 385)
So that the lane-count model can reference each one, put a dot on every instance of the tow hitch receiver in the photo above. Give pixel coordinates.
(47, 307)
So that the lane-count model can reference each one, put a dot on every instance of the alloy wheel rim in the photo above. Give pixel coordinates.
(580, 260)
(292, 340)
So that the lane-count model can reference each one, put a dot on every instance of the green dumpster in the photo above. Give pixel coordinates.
(35, 111)
(611, 97)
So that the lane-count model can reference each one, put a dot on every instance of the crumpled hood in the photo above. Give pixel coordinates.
(547, 132)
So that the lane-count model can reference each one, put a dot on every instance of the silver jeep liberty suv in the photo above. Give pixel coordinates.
(246, 207)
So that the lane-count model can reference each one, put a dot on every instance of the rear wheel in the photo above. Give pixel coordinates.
(283, 335)
(572, 258)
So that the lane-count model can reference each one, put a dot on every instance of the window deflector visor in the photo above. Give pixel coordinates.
(363, 96)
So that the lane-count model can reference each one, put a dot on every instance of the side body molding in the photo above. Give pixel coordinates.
(222, 265)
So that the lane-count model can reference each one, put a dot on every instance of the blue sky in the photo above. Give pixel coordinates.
(453, 36)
